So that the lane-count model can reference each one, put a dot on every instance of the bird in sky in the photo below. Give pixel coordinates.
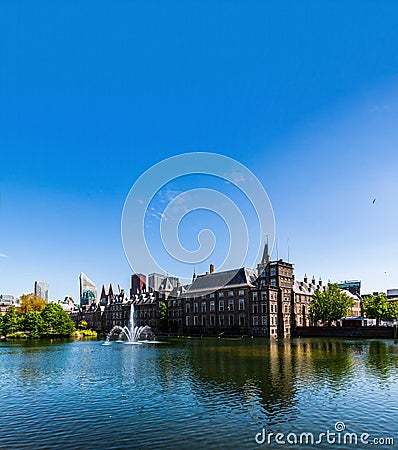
(374, 201)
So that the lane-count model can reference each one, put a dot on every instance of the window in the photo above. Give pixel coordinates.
(255, 296)
(203, 307)
(195, 321)
(255, 321)
(264, 308)
(203, 321)
(263, 296)
(264, 320)
(203, 297)
(231, 320)
(273, 282)
(241, 320)
(187, 321)
(221, 295)
(273, 271)
(212, 306)
(212, 295)
(241, 293)
(221, 320)
(230, 293)
(230, 305)
(188, 308)
(255, 309)
(241, 304)
(212, 320)
(221, 305)
(195, 307)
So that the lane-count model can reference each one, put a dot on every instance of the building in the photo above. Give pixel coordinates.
(41, 290)
(392, 294)
(6, 300)
(88, 291)
(154, 281)
(138, 284)
(354, 286)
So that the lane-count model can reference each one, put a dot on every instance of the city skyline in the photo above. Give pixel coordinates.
(85, 113)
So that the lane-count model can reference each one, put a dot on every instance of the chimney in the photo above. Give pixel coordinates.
(207, 273)
(313, 280)
(178, 284)
(211, 268)
(320, 281)
(305, 278)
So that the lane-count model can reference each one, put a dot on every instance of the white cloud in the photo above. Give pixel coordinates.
(2, 255)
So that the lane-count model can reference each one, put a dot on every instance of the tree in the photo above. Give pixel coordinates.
(33, 323)
(330, 305)
(11, 321)
(31, 302)
(163, 322)
(56, 320)
(378, 307)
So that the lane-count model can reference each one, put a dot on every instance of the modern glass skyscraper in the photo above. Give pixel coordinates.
(41, 289)
(88, 290)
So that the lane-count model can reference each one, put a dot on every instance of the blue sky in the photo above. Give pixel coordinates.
(92, 94)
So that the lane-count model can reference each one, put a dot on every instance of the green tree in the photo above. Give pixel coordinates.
(11, 321)
(378, 307)
(1, 324)
(163, 320)
(33, 323)
(31, 302)
(56, 320)
(330, 305)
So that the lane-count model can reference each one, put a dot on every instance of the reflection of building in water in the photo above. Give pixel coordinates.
(250, 372)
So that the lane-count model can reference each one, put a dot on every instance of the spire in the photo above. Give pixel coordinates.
(110, 292)
(266, 258)
(194, 274)
(103, 293)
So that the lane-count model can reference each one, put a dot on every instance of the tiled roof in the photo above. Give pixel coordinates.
(235, 278)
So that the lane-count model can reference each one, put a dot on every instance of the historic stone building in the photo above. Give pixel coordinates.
(265, 302)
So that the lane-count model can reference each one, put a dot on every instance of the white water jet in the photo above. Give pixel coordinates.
(131, 332)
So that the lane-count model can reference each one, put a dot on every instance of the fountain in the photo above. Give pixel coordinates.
(131, 332)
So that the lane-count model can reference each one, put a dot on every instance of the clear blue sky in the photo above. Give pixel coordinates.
(94, 93)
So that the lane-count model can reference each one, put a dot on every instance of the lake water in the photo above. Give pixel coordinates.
(195, 393)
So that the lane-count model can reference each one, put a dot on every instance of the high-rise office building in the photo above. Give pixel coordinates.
(154, 281)
(41, 289)
(88, 290)
(138, 284)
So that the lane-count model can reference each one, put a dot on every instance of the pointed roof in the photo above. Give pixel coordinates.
(103, 292)
(110, 292)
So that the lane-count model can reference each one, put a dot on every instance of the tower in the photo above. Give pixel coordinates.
(265, 259)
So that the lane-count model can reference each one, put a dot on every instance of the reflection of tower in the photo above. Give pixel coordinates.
(265, 259)
(88, 291)
(138, 284)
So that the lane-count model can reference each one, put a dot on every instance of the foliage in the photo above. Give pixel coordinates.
(31, 302)
(378, 307)
(82, 325)
(163, 322)
(11, 321)
(33, 322)
(330, 305)
(56, 320)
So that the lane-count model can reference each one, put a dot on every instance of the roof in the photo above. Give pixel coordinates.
(211, 282)
(301, 287)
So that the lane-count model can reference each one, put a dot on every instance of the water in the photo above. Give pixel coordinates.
(193, 393)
